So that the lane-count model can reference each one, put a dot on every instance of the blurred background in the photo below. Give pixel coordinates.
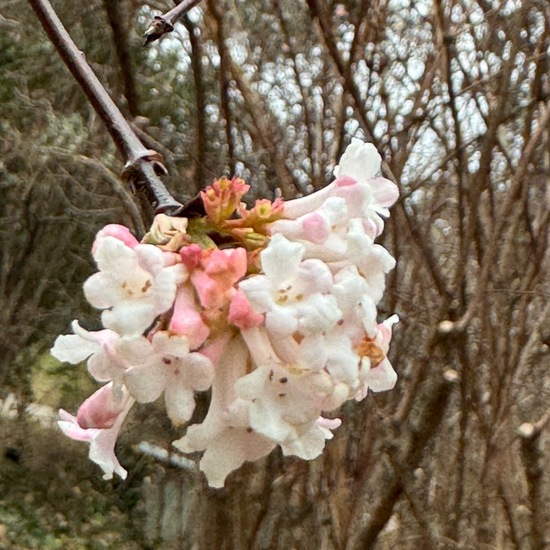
(455, 96)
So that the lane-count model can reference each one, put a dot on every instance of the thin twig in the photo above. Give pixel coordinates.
(143, 166)
(164, 23)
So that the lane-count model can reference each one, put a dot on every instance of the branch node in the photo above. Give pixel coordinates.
(156, 29)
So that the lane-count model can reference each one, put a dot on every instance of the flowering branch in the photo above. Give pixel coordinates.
(143, 166)
(164, 23)
(280, 322)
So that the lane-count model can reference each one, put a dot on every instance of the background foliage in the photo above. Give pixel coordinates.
(454, 94)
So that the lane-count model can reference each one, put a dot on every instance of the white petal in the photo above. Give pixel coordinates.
(229, 451)
(180, 402)
(129, 318)
(281, 258)
(307, 446)
(229, 368)
(146, 384)
(360, 161)
(112, 255)
(165, 343)
(381, 377)
(165, 286)
(197, 371)
(259, 292)
(73, 349)
(102, 291)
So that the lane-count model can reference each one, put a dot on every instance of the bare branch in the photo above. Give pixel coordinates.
(143, 166)
(164, 23)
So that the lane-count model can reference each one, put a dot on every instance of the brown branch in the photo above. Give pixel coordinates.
(225, 78)
(143, 166)
(120, 38)
(533, 457)
(164, 23)
(200, 102)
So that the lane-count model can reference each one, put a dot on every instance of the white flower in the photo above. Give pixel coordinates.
(367, 196)
(379, 376)
(166, 365)
(227, 439)
(133, 285)
(294, 294)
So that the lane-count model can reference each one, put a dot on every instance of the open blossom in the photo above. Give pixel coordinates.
(133, 286)
(293, 294)
(165, 365)
(367, 196)
(279, 323)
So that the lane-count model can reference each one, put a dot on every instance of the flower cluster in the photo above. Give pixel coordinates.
(272, 308)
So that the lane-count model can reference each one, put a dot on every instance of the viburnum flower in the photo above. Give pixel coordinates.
(293, 294)
(134, 285)
(165, 365)
(272, 309)
(98, 422)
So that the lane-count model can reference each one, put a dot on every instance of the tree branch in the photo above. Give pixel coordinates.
(143, 166)
(164, 23)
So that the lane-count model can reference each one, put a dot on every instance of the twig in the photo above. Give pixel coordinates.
(533, 463)
(143, 166)
(164, 23)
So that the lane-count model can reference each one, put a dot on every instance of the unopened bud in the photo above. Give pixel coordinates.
(451, 375)
(526, 430)
(445, 327)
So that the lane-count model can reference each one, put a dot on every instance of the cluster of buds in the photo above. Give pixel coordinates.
(271, 308)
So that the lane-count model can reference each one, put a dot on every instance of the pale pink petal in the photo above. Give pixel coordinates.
(229, 451)
(119, 232)
(100, 410)
(315, 229)
(241, 313)
(150, 258)
(186, 319)
(384, 192)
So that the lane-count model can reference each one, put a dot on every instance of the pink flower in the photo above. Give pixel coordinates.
(219, 271)
(186, 319)
(98, 422)
(241, 313)
(222, 198)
